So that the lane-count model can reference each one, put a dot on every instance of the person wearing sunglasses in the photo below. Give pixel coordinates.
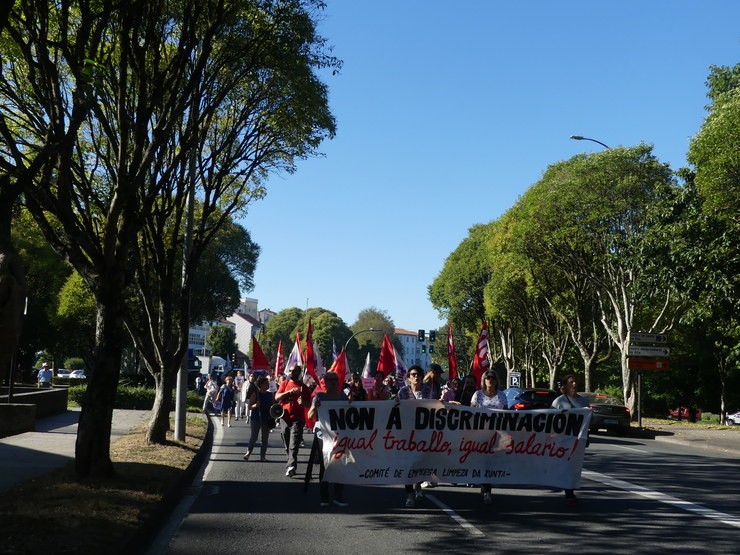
(489, 396)
(414, 389)
(570, 400)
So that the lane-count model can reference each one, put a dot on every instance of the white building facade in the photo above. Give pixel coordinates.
(412, 348)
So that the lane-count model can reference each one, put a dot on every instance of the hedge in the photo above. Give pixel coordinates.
(135, 398)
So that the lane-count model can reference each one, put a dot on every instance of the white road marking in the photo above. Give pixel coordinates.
(472, 530)
(631, 449)
(725, 518)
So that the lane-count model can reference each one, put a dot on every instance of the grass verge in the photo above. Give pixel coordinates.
(58, 514)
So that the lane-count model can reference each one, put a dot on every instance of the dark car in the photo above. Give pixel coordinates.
(511, 394)
(531, 399)
(607, 413)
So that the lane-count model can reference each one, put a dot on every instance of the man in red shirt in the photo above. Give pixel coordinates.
(295, 398)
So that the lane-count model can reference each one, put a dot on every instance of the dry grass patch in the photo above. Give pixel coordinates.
(57, 514)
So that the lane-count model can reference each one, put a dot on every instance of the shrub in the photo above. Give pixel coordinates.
(134, 398)
(74, 363)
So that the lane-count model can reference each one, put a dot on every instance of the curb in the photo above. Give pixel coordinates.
(145, 534)
(703, 440)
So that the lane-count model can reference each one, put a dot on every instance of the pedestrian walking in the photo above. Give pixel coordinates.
(332, 392)
(226, 398)
(294, 396)
(260, 420)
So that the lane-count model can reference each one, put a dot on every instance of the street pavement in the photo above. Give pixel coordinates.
(52, 444)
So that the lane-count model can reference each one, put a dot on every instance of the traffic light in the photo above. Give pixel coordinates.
(423, 348)
(432, 336)
(431, 348)
(421, 336)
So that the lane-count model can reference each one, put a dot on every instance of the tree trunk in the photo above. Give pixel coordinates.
(628, 381)
(12, 280)
(159, 424)
(92, 448)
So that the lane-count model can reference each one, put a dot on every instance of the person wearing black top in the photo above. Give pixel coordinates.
(356, 392)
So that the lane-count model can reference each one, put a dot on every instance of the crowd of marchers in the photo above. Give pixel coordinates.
(290, 402)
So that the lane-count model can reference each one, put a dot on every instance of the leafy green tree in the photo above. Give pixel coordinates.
(45, 275)
(458, 291)
(370, 341)
(74, 363)
(161, 311)
(701, 226)
(221, 341)
(328, 330)
(76, 313)
(596, 206)
(281, 327)
(463, 348)
(225, 270)
(111, 130)
(556, 286)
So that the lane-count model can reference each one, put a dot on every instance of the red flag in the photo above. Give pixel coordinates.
(279, 360)
(340, 367)
(387, 360)
(451, 360)
(259, 360)
(310, 359)
(480, 359)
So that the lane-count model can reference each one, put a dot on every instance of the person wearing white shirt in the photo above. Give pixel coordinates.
(570, 400)
(44, 376)
(491, 397)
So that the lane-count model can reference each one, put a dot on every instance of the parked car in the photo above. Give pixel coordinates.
(77, 375)
(63, 372)
(607, 413)
(535, 398)
(733, 419)
(685, 413)
(511, 394)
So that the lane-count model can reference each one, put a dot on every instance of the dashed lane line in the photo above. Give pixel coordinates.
(464, 524)
(701, 510)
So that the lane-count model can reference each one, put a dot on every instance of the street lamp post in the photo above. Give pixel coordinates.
(356, 334)
(581, 138)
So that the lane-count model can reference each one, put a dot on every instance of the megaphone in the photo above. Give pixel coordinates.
(276, 411)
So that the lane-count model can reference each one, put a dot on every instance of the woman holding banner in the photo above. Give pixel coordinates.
(570, 400)
(332, 392)
(414, 390)
(489, 396)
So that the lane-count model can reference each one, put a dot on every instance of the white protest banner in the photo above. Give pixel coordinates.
(385, 442)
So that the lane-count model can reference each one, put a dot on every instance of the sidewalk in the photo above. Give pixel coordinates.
(52, 445)
(713, 439)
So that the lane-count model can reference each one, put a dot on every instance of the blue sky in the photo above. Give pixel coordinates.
(448, 111)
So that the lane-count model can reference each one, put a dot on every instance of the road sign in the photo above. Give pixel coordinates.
(642, 338)
(640, 351)
(515, 379)
(647, 363)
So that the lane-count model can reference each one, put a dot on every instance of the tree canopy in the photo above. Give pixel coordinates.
(114, 114)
